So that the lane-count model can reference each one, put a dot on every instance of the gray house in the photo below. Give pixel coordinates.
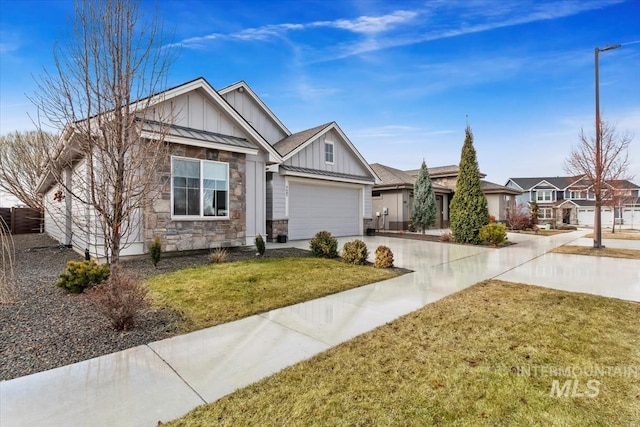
(234, 171)
(570, 200)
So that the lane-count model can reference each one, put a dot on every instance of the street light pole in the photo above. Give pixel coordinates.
(598, 185)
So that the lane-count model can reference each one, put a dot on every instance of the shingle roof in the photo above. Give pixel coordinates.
(440, 171)
(396, 177)
(293, 141)
(491, 187)
(557, 181)
(392, 176)
(326, 173)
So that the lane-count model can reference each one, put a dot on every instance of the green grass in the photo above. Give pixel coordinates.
(456, 362)
(210, 295)
(604, 252)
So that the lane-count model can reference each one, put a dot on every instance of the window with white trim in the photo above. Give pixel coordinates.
(328, 152)
(544, 195)
(545, 213)
(578, 194)
(200, 188)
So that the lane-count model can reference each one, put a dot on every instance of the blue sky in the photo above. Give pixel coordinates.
(400, 78)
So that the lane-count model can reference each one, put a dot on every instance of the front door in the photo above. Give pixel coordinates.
(566, 216)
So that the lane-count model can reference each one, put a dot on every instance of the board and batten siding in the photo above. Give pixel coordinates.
(54, 216)
(367, 202)
(344, 161)
(255, 197)
(244, 104)
(277, 188)
(193, 110)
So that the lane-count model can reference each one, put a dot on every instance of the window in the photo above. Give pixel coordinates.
(544, 196)
(577, 195)
(200, 188)
(328, 152)
(376, 194)
(545, 213)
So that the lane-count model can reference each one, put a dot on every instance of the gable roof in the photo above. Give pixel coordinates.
(295, 143)
(564, 182)
(243, 86)
(287, 145)
(203, 85)
(559, 182)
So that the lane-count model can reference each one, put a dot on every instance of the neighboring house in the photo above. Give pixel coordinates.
(393, 199)
(234, 171)
(395, 194)
(570, 200)
(499, 197)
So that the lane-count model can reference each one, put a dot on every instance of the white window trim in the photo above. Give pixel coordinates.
(541, 210)
(200, 217)
(538, 199)
(333, 152)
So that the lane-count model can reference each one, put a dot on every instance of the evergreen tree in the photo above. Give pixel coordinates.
(423, 212)
(468, 211)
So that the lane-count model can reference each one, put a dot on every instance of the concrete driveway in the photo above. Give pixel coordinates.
(166, 379)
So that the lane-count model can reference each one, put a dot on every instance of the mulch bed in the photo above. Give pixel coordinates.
(47, 327)
(434, 238)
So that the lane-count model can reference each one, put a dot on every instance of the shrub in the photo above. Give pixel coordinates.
(82, 274)
(121, 299)
(384, 257)
(218, 256)
(324, 245)
(260, 244)
(494, 234)
(446, 237)
(355, 252)
(518, 217)
(155, 250)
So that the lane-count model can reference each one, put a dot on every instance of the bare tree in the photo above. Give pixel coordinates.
(100, 93)
(616, 198)
(22, 162)
(600, 163)
(7, 280)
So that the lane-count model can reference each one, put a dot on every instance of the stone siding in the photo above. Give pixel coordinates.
(181, 235)
(276, 228)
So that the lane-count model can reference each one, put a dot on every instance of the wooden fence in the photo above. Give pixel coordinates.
(23, 220)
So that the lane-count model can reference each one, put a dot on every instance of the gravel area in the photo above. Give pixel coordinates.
(48, 327)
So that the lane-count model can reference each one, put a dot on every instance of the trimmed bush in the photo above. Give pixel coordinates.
(355, 252)
(121, 299)
(155, 251)
(324, 245)
(218, 256)
(82, 274)
(494, 234)
(260, 244)
(384, 257)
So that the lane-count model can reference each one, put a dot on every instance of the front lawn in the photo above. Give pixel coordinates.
(606, 252)
(218, 293)
(497, 353)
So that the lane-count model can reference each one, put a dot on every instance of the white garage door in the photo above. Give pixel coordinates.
(313, 208)
(585, 217)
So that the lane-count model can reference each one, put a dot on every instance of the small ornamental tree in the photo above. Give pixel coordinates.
(469, 211)
(423, 213)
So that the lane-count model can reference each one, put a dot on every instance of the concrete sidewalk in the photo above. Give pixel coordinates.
(166, 379)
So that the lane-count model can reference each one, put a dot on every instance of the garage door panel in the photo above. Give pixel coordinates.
(315, 207)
